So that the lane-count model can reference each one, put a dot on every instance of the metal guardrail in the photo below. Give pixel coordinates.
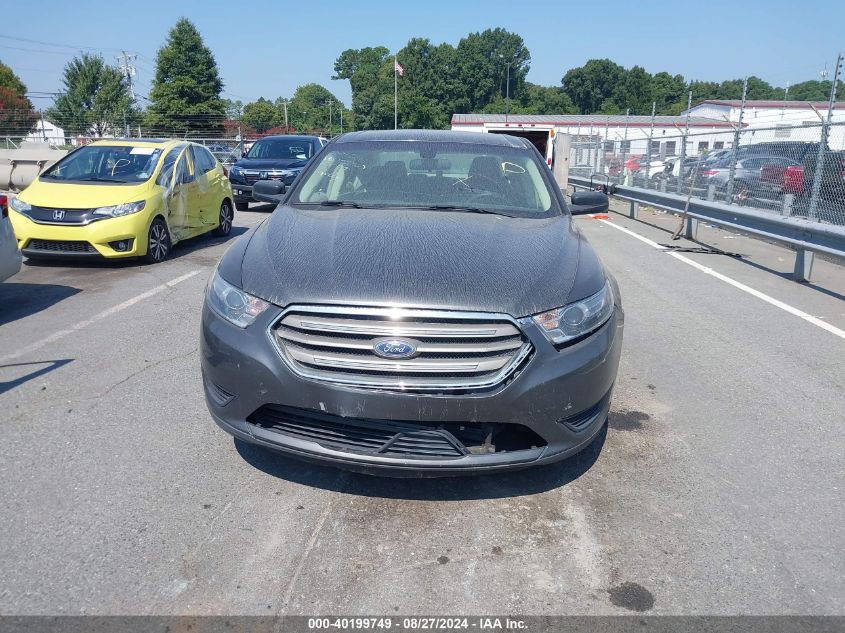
(805, 236)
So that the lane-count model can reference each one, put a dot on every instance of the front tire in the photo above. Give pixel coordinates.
(158, 242)
(227, 216)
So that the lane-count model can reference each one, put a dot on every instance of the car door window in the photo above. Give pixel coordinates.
(166, 173)
(203, 160)
(185, 170)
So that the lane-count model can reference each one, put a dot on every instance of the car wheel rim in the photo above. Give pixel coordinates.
(158, 242)
(225, 219)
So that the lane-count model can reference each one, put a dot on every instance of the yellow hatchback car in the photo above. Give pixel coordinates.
(123, 198)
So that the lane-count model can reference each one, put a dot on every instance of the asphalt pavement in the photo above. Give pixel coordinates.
(717, 488)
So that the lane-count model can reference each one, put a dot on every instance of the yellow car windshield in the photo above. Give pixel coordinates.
(118, 164)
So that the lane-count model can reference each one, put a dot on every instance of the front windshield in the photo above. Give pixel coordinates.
(415, 174)
(281, 148)
(106, 163)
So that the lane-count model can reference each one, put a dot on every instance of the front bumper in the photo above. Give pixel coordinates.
(99, 235)
(551, 389)
(241, 192)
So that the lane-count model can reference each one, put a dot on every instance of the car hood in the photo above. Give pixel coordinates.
(270, 163)
(414, 258)
(67, 195)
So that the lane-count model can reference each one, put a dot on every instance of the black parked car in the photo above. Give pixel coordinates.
(279, 158)
(420, 303)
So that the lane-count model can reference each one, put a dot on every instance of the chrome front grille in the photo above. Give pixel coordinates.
(452, 350)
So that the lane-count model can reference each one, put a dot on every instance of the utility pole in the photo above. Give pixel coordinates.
(508, 94)
(625, 144)
(680, 184)
(341, 118)
(732, 173)
(650, 139)
(127, 69)
(395, 95)
(330, 118)
(507, 87)
(818, 172)
(605, 169)
(285, 104)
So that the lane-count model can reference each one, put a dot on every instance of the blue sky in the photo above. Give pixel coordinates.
(267, 49)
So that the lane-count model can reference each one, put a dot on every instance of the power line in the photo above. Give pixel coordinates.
(55, 44)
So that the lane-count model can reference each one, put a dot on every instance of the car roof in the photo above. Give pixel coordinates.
(432, 136)
(137, 142)
(294, 137)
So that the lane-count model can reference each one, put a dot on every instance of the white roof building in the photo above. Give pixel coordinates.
(767, 121)
(615, 133)
(46, 132)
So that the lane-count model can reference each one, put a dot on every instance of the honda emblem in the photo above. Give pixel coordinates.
(58, 214)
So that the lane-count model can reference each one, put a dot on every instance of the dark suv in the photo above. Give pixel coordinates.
(278, 158)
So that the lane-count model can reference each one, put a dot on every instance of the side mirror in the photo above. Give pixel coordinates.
(584, 202)
(269, 191)
(243, 154)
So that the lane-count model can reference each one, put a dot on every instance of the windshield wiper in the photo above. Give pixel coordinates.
(340, 203)
(453, 207)
(98, 179)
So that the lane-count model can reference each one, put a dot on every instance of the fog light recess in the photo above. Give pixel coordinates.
(122, 246)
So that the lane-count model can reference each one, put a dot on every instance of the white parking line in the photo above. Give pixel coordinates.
(736, 284)
(55, 336)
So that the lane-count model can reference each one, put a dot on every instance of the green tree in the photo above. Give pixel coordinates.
(757, 89)
(309, 110)
(430, 90)
(234, 109)
(16, 113)
(95, 100)
(668, 90)
(185, 97)
(593, 84)
(261, 115)
(635, 91)
(536, 99)
(812, 90)
(370, 74)
(482, 66)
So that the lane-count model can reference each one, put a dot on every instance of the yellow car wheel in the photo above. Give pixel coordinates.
(227, 216)
(158, 242)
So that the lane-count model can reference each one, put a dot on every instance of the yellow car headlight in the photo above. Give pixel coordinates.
(118, 210)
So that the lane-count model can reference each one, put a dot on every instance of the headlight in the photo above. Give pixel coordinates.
(118, 210)
(236, 171)
(233, 304)
(577, 319)
(19, 205)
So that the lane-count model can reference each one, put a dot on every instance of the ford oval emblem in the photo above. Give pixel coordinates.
(395, 348)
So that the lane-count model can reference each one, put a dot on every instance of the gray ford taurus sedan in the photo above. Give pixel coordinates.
(421, 304)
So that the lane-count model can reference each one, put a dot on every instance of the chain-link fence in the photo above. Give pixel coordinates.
(793, 170)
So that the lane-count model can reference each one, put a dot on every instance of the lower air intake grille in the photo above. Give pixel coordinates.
(57, 246)
(357, 435)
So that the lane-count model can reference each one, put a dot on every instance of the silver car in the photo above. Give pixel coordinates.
(10, 255)
(747, 179)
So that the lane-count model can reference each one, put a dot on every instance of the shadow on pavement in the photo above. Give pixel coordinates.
(44, 367)
(19, 300)
(487, 486)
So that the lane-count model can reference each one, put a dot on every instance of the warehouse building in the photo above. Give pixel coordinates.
(614, 134)
(768, 121)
